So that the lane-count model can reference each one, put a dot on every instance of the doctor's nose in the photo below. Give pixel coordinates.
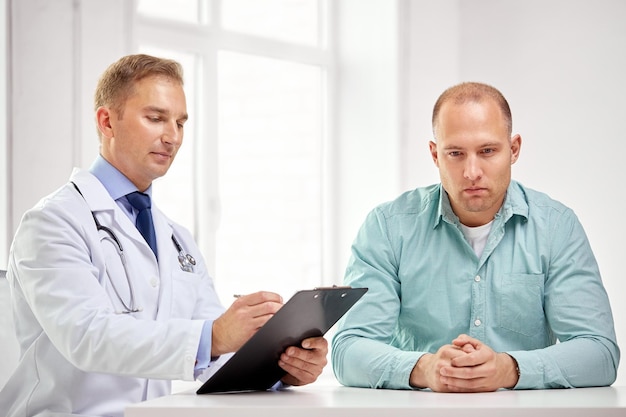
(172, 133)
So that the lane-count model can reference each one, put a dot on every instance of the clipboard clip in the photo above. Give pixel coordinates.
(334, 287)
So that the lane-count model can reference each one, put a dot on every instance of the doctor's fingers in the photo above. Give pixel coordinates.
(259, 297)
(299, 376)
(317, 343)
(242, 312)
(256, 305)
(303, 367)
(314, 350)
(254, 317)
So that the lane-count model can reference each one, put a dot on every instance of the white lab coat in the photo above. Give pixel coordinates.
(79, 356)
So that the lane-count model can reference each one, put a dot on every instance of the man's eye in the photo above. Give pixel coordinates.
(454, 153)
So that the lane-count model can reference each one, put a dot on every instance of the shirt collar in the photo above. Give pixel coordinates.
(116, 183)
(514, 204)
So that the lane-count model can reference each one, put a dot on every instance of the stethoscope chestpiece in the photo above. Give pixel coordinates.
(187, 262)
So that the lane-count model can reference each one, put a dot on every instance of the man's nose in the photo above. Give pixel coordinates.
(472, 169)
(172, 134)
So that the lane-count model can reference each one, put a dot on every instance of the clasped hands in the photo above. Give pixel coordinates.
(248, 314)
(466, 365)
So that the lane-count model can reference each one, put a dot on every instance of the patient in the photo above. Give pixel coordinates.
(474, 280)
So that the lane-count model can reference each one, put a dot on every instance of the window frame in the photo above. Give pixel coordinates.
(205, 40)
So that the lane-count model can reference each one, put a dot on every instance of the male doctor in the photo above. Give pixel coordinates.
(106, 317)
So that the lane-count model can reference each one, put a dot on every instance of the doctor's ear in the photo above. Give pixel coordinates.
(103, 121)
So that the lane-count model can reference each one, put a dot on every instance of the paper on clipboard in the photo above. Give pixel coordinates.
(308, 313)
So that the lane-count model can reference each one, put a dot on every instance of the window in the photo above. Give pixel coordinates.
(269, 173)
(248, 180)
(284, 20)
(187, 11)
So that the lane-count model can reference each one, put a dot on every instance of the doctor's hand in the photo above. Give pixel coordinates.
(304, 364)
(243, 318)
(467, 365)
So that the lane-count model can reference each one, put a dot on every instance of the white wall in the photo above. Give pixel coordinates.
(4, 161)
(561, 65)
(367, 121)
(53, 47)
(57, 49)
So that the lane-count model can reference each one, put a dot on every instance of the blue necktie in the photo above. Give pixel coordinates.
(141, 202)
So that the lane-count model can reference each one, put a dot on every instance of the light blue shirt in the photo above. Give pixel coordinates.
(536, 282)
(118, 186)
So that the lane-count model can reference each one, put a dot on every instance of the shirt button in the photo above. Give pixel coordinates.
(477, 278)
(477, 322)
(154, 282)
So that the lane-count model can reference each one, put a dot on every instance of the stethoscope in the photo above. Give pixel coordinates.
(186, 261)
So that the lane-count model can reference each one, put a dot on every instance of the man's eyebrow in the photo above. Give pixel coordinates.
(156, 109)
(484, 145)
(453, 147)
(163, 111)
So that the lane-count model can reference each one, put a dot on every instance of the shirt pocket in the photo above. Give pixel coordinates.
(185, 293)
(520, 306)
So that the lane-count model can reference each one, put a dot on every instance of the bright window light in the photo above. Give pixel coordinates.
(248, 180)
(188, 11)
(269, 174)
(295, 21)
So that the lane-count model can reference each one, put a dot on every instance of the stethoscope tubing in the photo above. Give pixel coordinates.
(186, 261)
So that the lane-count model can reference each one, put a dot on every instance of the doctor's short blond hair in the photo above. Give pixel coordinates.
(117, 83)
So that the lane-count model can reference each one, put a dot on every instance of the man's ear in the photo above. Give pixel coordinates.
(433, 152)
(516, 145)
(103, 121)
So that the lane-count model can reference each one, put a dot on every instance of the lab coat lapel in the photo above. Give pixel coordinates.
(107, 210)
(111, 215)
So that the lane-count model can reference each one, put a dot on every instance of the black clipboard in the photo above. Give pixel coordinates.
(308, 313)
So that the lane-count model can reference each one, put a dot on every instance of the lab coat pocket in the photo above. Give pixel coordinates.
(185, 289)
(521, 303)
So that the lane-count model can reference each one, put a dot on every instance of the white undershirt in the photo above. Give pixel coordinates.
(477, 236)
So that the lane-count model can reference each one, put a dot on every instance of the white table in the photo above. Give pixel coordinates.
(332, 400)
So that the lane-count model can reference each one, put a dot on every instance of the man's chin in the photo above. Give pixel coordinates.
(476, 206)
